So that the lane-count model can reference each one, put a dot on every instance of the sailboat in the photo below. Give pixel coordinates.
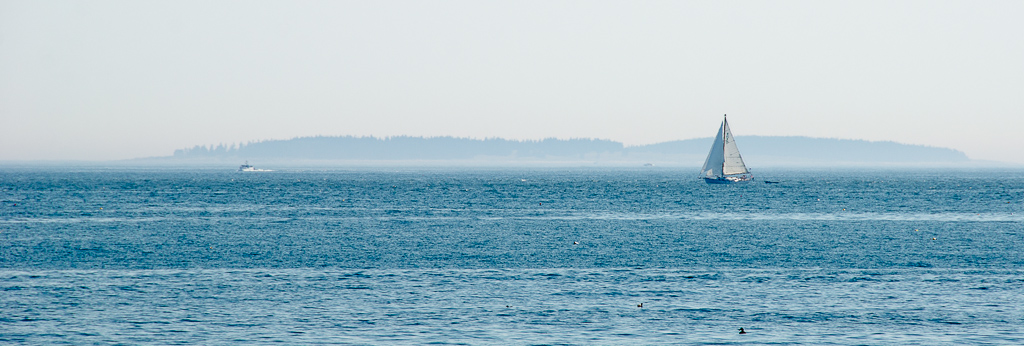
(724, 164)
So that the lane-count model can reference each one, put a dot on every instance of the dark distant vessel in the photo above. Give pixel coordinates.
(724, 164)
(248, 168)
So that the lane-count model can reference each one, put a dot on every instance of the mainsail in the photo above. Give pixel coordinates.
(724, 158)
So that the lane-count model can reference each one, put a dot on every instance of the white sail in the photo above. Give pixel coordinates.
(724, 158)
(716, 157)
(733, 161)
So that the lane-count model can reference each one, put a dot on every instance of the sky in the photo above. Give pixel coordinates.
(109, 80)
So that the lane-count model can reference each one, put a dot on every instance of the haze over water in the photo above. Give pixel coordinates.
(510, 256)
(114, 80)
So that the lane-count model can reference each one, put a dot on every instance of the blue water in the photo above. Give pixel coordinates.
(510, 256)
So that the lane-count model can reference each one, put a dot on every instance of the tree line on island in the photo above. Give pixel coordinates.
(800, 149)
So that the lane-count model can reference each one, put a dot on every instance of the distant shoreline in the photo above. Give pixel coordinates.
(757, 151)
(329, 152)
(276, 167)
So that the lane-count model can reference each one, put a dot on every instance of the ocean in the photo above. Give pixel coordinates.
(517, 256)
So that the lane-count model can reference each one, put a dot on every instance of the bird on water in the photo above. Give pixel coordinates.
(742, 331)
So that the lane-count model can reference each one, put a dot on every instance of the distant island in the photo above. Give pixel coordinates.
(757, 151)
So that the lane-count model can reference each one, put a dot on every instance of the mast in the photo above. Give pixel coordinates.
(725, 125)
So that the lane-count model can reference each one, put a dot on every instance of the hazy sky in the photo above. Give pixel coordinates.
(98, 80)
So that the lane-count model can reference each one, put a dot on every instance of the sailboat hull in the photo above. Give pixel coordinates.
(727, 180)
